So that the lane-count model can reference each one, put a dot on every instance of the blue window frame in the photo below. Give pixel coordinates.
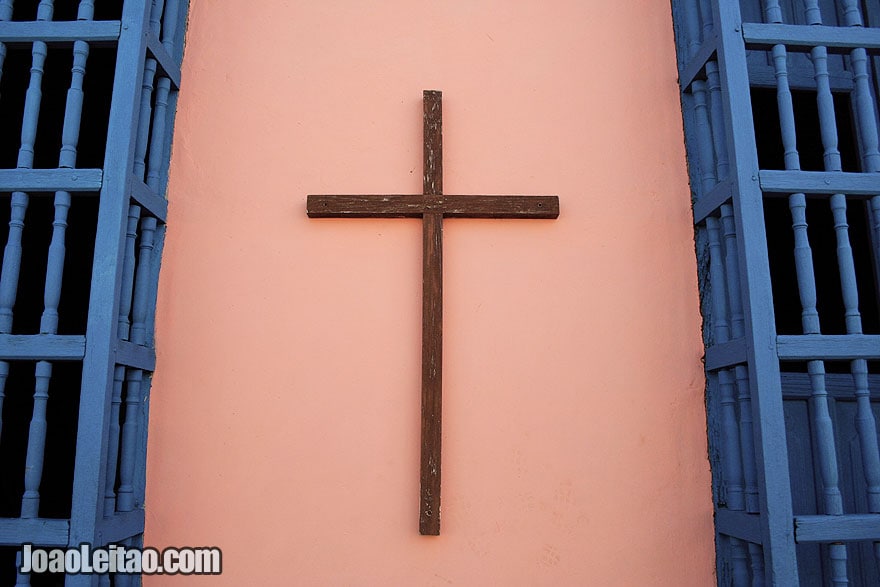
(780, 114)
(92, 87)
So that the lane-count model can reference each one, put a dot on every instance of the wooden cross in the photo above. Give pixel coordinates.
(432, 206)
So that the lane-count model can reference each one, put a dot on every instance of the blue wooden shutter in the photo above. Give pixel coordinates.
(74, 391)
(771, 89)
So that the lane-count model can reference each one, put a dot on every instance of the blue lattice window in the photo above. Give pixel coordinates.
(87, 98)
(781, 120)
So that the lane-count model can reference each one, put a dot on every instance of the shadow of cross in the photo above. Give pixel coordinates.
(432, 206)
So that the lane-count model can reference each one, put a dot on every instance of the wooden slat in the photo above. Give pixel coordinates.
(59, 31)
(367, 206)
(820, 182)
(771, 456)
(432, 320)
(839, 39)
(407, 206)
(710, 202)
(845, 528)
(166, 63)
(738, 525)
(25, 347)
(828, 347)
(135, 355)
(40, 531)
(120, 526)
(696, 64)
(148, 199)
(498, 206)
(726, 354)
(50, 180)
(99, 361)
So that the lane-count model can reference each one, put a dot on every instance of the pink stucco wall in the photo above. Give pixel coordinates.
(285, 406)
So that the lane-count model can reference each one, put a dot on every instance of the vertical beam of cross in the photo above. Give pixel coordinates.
(432, 319)
(431, 206)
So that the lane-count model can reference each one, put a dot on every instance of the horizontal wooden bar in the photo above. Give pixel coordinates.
(726, 354)
(166, 63)
(408, 206)
(827, 346)
(838, 385)
(840, 39)
(845, 528)
(764, 76)
(695, 64)
(820, 182)
(148, 199)
(50, 180)
(120, 526)
(135, 355)
(35, 347)
(38, 531)
(497, 206)
(59, 31)
(738, 524)
(710, 202)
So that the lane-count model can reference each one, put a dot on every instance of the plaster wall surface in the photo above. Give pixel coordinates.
(284, 421)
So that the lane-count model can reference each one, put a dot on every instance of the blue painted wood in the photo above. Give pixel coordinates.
(149, 200)
(123, 330)
(865, 117)
(60, 31)
(142, 281)
(865, 422)
(128, 265)
(51, 180)
(5, 15)
(765, 35)
(135, 377)
(156, 16)
(780, 559)
(125, 501)
(737, 330)
(42, 531)
(703, 136)
(113, 442)
(819, 182)
(167, 64)
(157, 136)
(709, 203)
(170, 23)
(849, 527)
(101, 331)
(707, 18)
(36, 446)
(721, 356)
(136, 355)
(716, 112)
(121, 526)
(828, 346)
(11, 268)
(688, 13)
(739, 524)
(48, 347)
(143, 133)
(694, 68)
(731, 460)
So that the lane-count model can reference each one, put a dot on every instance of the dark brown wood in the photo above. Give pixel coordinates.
(432, 373)
(432, 206)
(432, 166)
(405, 206)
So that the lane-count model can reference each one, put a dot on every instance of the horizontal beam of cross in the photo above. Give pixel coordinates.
(406, 206)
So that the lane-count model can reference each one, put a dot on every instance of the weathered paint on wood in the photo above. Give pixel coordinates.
(432, 206)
